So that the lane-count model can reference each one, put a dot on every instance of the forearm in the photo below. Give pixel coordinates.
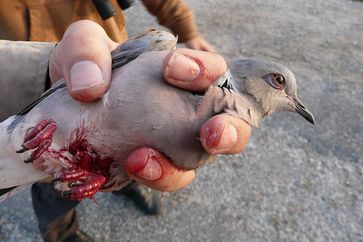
(23, 68)
(175, 15)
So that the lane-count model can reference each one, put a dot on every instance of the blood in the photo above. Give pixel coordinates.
(91, 171)
(84, 171)
(87, 157)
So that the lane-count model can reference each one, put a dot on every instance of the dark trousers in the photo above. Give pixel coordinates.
(57, 216)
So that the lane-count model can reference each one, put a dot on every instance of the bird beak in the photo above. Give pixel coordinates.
(303, 111)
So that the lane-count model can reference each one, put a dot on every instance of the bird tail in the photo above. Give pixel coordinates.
(14, 171)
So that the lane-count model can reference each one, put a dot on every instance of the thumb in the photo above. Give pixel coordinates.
(151, 168)
(83, 59)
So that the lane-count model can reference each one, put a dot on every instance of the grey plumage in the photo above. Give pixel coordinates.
(141, 109)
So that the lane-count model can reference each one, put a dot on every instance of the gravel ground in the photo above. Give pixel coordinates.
(294, 182)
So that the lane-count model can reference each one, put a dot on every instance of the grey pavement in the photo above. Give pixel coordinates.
(294, 182)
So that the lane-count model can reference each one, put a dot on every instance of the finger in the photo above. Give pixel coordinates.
(193, 70)
(207, 47)
(200, 45)
(225, 134)
(83, 59)
(152, 169)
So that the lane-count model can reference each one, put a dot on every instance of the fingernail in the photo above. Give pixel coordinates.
(148, 168)
(182, 68)
(84, 75)
(151, 172)
(221, 137)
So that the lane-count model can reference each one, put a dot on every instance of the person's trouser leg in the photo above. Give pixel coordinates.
(56, 216)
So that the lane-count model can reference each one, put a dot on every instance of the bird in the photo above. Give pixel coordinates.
(82, 146)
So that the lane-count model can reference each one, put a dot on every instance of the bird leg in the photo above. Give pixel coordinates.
(85, 177)
(78, 169)
(38, 138)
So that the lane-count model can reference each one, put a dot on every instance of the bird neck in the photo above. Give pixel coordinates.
(258, 96)
(222, 100)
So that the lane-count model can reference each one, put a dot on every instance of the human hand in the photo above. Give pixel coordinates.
(83, 58)
(222, 134)
(199, 43)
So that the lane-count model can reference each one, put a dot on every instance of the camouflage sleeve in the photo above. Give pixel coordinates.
(23, 73)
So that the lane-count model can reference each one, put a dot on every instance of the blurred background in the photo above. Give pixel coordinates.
(295, 181)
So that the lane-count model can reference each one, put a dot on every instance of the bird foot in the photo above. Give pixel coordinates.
(38, 138)
(78, 170)
(77, 184)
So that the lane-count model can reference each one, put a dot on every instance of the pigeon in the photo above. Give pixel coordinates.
(82, 146)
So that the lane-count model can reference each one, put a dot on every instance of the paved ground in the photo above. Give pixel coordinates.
(295, 182)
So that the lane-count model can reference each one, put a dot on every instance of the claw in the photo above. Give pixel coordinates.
(22, 150)
(29, 160)
(75, 184)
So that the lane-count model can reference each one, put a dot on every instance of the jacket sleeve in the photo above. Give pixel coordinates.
(175, 15)
(23, 68)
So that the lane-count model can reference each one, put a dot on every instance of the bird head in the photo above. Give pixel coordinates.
(271, 84)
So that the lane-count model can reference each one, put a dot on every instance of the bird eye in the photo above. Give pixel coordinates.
(280, 79)
(275, 80)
